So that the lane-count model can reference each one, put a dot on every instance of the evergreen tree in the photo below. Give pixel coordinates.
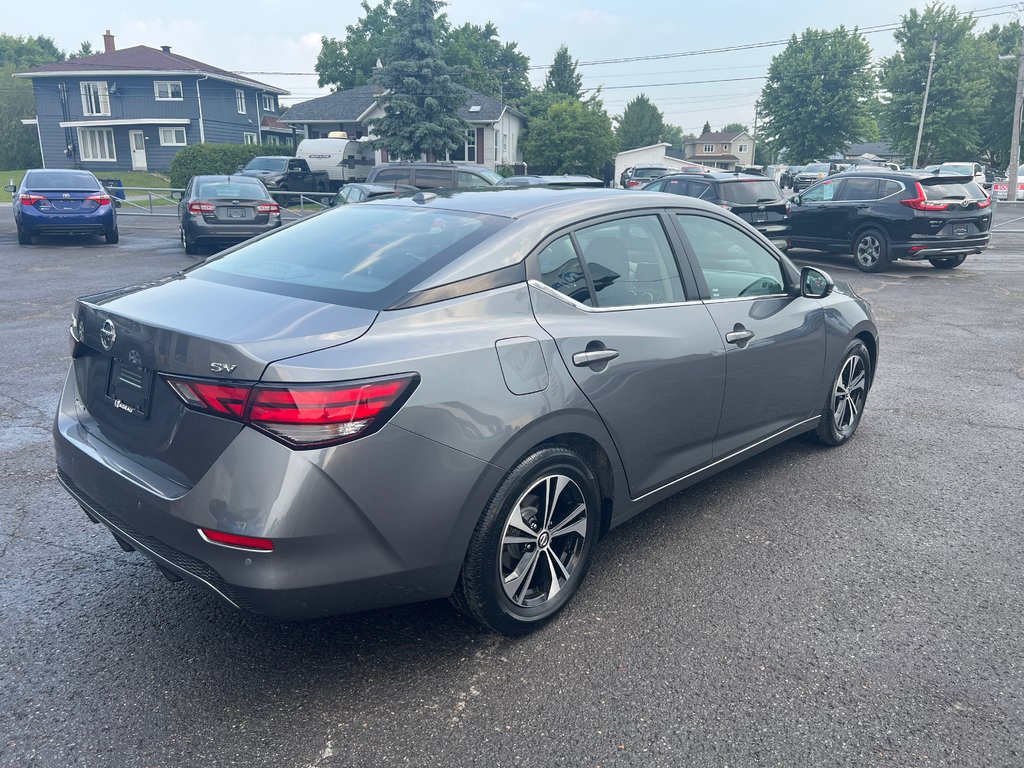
(641, 124)
(563, 77)
(706, 128)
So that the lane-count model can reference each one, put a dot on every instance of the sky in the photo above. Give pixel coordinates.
(278, 44)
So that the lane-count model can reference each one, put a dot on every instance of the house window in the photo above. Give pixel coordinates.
(240, 101)
(709, 149)
(467, 151)
(166, 90)
(97, 144)
(497, 143)
(268, 104)
(172, 137)
(95, 98)
(249, 138)
(741, 148)
(725, 147)
(270, 138)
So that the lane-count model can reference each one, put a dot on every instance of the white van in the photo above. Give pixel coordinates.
(345, 160)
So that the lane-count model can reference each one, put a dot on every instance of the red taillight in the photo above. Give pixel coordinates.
(201, 207)
(302, 415)
(268, 208)
(985, 203)
(234, 540)
(919, 203)
(28, 199)
(100, 199)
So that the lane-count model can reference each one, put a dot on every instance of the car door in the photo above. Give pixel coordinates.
(852, 206)
(774, 338)
(812, 216)
(636, 340)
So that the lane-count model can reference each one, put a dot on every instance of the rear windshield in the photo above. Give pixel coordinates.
(816, 168)
(267, 164)
(365, 256)
(649, 173)
(968, 191)
(233, 188)
(750, 192)
(62, 180)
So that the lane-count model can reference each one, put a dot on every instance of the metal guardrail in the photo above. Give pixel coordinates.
(160, 201)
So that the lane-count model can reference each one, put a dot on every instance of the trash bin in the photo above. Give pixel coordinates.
(114, 187)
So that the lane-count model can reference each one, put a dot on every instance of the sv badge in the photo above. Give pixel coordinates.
(222, 367)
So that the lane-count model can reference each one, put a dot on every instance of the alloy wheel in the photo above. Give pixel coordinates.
(869, 250)
(848, 395)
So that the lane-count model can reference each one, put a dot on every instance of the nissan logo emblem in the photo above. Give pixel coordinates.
(107, 334)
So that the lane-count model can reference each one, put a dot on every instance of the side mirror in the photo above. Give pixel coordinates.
(796, 200)
(177, 195)
(815, 283)
(10, 188)
(240, 168)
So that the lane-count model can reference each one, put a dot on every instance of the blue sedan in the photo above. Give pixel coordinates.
(62, 202)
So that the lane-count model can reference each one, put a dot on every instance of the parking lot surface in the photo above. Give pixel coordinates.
(849, 607)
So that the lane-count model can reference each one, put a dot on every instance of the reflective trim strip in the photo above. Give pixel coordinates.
(573, 303)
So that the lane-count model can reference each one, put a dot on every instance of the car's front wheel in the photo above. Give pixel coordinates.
(846, 397)
(871, 251)
(951, 263)
(532, 546)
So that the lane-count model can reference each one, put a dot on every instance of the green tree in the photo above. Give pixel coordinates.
(959, 92)
(85, 49)
(563, 77)
(26, 52)
(496, 69)
(348, 62)
(706, 128)
(422, 100)
(817, 98)
(674, 135)
(997, 124)
(735, 128)
(641, 124)
(19, 144)
(571, 137)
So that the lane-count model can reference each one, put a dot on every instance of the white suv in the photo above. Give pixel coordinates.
(977, 170)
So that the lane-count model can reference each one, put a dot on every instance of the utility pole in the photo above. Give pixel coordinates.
(924, 106)
(1011, 181)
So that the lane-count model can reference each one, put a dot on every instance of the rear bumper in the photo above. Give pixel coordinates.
(939, 249)
(95, 222)
(201, 231)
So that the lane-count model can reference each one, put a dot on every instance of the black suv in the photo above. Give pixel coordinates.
(755, 199)
(812, 174)
(433, 175)
(885, 215)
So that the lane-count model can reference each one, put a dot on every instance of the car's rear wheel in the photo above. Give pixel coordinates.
(532, 546)
(846, 397)
(871, 251)
(24, 236)
(951, 263)
(190, 246)
(112, 236)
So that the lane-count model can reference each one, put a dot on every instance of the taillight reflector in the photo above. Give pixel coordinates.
(101, 199)
(201, 207)
(27, 199)
(225, 399)
(234, 540)
(268, 208)
(985, 203)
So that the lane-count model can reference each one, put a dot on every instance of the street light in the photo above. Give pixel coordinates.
(1011, 181)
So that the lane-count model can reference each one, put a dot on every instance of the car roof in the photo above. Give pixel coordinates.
(718, 176)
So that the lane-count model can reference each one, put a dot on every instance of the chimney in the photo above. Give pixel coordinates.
(165, 48)
(108, 42)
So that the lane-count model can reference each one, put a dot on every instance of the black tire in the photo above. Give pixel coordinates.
(24, 237)
(871, 250)
(847, 394)
(190, 245)
(112, 236)
(512, 536)
(951, 263)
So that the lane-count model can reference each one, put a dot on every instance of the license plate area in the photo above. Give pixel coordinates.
(961, 230)
(236, 213)
(760, 216)
(130, 387)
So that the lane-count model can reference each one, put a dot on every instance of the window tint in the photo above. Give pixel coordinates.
(630, 262)
(434, 178)
(821, 193)
(357, 255)
(889, 187)
(701, 190)
(676, 186)
(733, 264)
(560, 269)
(860, 189)
(393, 176)
(968, 191)
(61, 180)
(472, 180)
(749, 192)
(237, 188)
(661, 186)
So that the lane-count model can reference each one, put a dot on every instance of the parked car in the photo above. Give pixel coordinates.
(283, 174)
(887, 215)
(344, 160)
(624, 176)
(1001, 186)
(789, 175)
(812, 174)
(62, 202)
(361, 193)
(550, 181)
(754, 198)
(417, 398)
(433, 175)
(641, 174)
(225, 209)
(974, 170)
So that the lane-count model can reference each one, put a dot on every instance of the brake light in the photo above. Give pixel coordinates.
(100, 199)
(919, 203)
(28, 199)
(268, 208)
(301, 415)
(201, 207)
(234, 540)
(725, 205)
(985, 203)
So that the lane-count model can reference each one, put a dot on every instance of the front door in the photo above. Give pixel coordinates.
(137, 139)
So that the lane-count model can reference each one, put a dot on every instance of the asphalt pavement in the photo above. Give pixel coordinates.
(856, 606)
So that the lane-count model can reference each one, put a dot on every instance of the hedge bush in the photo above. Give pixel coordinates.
(219, 159)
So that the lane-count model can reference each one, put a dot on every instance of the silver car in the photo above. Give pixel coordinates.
(445, 395)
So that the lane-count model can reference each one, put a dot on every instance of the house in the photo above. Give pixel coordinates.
(724, 149)
(876, 152)
(133, 109)
(655, 154)
(491, 140)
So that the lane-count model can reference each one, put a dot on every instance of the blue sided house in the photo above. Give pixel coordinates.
(134, 109)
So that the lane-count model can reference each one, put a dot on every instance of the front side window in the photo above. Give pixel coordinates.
(467, 179)
(560, 269)
(734, 265)
(240, 101)
(165, 90)
(822, 193)
(630, 262)
(434, 178)
(97, 144)
(172, 137)
(857, 188)
(95, 98)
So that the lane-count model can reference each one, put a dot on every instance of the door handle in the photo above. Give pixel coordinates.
(583, 359)
(739, 336)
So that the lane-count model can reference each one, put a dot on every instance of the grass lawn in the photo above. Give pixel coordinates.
(128, 179)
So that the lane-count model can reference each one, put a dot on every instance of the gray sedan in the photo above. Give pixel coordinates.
(225, 210)
(446, 395)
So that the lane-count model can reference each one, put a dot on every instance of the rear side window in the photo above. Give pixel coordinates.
(560, 269)
(434, 178)
(859, 189)
(393, 176)
(62, 180)
(889, 188)
(359, 255)
(676, 186)
(749, 192)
